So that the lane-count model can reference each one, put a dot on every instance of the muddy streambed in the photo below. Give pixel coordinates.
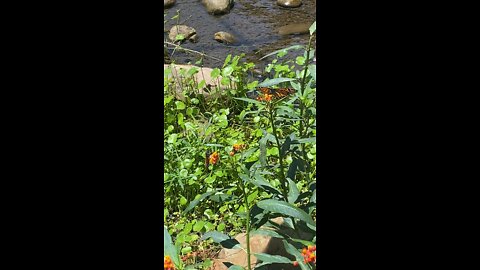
(254, 23)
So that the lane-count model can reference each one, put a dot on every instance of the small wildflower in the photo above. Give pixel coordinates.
(309, 254)
(237, 147)
(232, 153)
(168, 264)
(214, 157)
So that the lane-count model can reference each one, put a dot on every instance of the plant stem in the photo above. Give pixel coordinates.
(247, 209)
(280, 157)
(302, 130)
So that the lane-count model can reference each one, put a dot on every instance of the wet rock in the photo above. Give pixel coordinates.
(187, 32)
(218, 7)
(296, 28)
(168, 3)
(289, 3)
(225, 37)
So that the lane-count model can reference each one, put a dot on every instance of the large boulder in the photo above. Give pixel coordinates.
(218, 7)
(258, 244)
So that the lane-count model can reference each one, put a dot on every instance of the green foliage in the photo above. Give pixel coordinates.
(272, 175)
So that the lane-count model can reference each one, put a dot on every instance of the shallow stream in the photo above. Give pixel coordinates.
(254, 23)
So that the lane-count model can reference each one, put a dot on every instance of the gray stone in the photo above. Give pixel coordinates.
(225, 37)
(289, 3)
(168, 3)
(189, 33)
(295, 28)
(218, 7)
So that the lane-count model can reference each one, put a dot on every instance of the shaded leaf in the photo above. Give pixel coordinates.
(285, 209)
(269, 259)
(293, 192)
(292, 169)
(270, 233)
(196, 201)
(298, 256)
(308, 140)
(223, 239)
(249, 100)
(275, 81)
(168, 247)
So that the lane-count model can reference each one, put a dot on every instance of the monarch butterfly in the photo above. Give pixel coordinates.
(272, 92)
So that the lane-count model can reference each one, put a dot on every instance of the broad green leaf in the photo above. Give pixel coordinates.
(249, 100)
(227, 60)
(168, 247)
(275, 81)
(269, 259)
(186, 250)
(313, 27)
(183, 200)
(285, 146)
(196, 201)
(308, 140)
(188, 228)
(198, 226)
(252, 197)
(293, 192)
(265, 232)
(298, 256)
(292, 169)
(285, 208)
(223, 239)
(227, 71)
(215, 73)
(209, 226)
(180, 105)
(221, 226)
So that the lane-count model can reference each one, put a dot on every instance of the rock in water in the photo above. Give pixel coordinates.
(295, 28)
(225, 37)
(186, 31)
(289, 3)
(218, 7)
(168, 3)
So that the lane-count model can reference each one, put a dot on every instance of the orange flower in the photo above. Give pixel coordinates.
(232, 153)
(214, 157)
(309, 254)
(168, 264)
(237, 147)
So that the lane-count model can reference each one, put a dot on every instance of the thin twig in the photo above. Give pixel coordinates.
(188, 50)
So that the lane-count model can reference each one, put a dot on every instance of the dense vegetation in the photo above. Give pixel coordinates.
(236, 159)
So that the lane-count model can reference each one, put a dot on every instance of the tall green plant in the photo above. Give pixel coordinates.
(287, 134)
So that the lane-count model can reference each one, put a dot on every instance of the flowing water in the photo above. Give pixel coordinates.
(253, 22)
